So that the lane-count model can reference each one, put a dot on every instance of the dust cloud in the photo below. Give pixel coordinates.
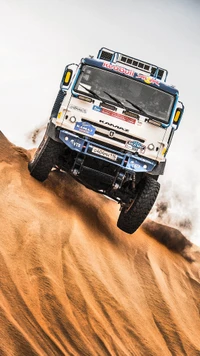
(177, 206)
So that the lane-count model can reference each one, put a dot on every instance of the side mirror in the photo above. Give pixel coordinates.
(178, 116)
(65, 82)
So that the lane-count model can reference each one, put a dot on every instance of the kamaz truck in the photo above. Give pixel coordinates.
(110, 128)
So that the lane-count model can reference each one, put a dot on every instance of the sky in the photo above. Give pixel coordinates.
(39, 37)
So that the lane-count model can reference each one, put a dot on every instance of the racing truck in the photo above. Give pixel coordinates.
(110, 128)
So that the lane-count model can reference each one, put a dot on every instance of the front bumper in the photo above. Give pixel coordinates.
(126, 160)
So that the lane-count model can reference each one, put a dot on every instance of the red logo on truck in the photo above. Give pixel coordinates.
(148, 80)
(119, 69)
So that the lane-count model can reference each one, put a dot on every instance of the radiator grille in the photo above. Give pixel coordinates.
(113, 134)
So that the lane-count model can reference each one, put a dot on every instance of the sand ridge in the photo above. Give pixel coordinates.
(72, 283)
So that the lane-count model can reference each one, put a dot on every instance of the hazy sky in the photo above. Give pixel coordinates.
(39, 37)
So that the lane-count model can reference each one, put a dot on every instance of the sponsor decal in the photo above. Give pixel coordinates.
(135, 145)
(72, 142)
(85, 127)
(97, 108)
(74, 107)
(114, 114)
(119, 69)
(148, 80)
(75, 143)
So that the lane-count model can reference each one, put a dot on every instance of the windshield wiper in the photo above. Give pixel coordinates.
(95, 95)
(123, 106)
(136, 107)
(115, 99)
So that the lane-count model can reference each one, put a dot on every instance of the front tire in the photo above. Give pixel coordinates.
(46, 156)
(132, 217)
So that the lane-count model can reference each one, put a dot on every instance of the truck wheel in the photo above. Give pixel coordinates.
(132, 217)
(45, 158)
(57, 104)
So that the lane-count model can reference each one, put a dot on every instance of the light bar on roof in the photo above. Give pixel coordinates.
(134, 63)
(144, 66)
(114, 57)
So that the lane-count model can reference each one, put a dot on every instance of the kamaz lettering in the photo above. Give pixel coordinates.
(118, 69)
(112, 125)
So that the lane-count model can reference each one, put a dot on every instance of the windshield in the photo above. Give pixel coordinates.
(154, 102)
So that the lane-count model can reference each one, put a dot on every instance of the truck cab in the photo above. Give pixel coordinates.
(111, 127)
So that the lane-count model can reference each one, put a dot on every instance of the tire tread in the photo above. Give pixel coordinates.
(129, 221)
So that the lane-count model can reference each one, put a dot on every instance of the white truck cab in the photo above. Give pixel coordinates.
(110, 128)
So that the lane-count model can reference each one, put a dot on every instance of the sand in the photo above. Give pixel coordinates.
(72, 283)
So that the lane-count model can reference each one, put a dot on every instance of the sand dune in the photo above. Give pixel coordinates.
(72, 283)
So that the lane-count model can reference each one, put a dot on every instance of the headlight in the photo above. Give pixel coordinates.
(151, 146)
(72, 119)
